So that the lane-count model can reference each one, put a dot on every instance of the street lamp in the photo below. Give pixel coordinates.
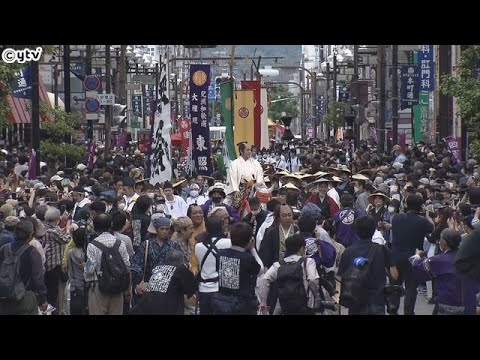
(302, 92)
(287, 136)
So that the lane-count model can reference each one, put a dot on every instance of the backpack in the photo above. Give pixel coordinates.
(291, 290)
(114, 276)
(354, 284)
(11, 285)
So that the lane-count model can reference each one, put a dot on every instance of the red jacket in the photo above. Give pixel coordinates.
(329, 207)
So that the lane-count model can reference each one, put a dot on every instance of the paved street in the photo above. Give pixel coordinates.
(421, 306)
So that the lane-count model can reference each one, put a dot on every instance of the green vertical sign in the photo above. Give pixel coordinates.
(420, 117)
(226, 93)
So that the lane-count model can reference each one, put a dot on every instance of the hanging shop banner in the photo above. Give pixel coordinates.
(160, 150)
(410, 87)
(199, 81)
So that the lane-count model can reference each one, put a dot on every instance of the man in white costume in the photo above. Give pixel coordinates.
(243, 173)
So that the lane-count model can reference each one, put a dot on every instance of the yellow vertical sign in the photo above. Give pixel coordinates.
(244, 121)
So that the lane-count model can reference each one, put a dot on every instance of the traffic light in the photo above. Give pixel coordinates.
(118, 114)
(360, 117)
(349, 132)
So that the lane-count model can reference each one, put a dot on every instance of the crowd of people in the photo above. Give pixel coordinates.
(196, 245)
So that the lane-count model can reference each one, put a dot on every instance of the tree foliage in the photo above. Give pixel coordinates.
(57, 129)
(289, 105)
(465, 87)
(336, 114)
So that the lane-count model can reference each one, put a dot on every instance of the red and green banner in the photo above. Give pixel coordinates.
(226, 92)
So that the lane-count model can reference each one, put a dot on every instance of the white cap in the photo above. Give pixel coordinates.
(42, 164)
(56, 178)
(81, 167)
(39, 186)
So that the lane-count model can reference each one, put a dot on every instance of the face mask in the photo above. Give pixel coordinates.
(356, 189)
(255, 212)
(217, 199)
(394, 189)
(391, 209)
(194, 193)
(121, 206)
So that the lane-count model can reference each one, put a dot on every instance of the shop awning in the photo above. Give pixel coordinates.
(18, 107)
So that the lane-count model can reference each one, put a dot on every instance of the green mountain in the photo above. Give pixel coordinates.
(285, 53)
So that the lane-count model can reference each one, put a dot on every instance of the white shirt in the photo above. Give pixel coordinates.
(266, 224)
(199, 200)
(129, 202)
(81, 204)
(334, 195)
(271, 275)
(280, 164)
(243, 170)
(208, 270)
(295, 164)
(323, 234)
(176, 208)
(378, 238)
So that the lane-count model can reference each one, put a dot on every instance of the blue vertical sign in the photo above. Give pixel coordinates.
(343, 94)
(22, 84)
(427, 68)
(137, 105)
(410, 89)
(321, 105)
(199, 80)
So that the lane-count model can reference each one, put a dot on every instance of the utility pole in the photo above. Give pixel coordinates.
(381, 89)
(356, 124)
(122, 75)
(66, 76)
(35, 115)
(327, 100)
(395, 95)
(108, 108)
(88, 68)
(314, 103)
(334, 76)
(55, 85)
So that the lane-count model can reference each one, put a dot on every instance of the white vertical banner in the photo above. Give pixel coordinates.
(264, 141)
(161, 153)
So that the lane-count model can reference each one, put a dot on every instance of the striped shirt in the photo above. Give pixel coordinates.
(55, 242)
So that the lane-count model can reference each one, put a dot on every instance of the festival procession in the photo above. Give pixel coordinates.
(176, 180)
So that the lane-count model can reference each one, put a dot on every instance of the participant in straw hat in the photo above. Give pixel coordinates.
(378, 209)
(361, 190)
(344, 186)
(328, 206)
(292, 179)
(181, 188)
